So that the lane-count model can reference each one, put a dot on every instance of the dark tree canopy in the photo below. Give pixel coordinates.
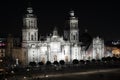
(62, 62)
(40, 63)
(55, 62)
(75, 61)
(32, 64)
(48, 63)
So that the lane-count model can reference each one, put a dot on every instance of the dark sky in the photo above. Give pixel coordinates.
(100, 18)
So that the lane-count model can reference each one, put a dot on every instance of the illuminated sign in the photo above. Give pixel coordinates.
(2, 44)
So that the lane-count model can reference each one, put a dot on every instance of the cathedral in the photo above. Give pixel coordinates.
(55, 47)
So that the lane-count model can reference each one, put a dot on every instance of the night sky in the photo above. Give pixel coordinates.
(100, 18)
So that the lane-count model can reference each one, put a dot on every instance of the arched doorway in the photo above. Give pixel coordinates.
(97, 55)
(55, 57)
(66, 58)
(43, 60)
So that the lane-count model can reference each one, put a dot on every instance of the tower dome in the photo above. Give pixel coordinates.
(72, 13)
(30, 10)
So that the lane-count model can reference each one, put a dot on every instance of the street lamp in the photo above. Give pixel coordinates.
(12, 72)
(1, 60)
(24, 78)
(17, 61)
(28, 70)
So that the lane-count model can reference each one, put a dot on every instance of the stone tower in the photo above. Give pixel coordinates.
(30, 30)
(30, 36)
(74, 31)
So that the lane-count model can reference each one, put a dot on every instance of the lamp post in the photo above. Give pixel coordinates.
(1, 68)
(1, 62)
(28, 72)
(24, 78)
(17, 61)
(12, 72)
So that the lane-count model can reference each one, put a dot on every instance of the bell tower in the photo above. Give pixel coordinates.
(74, 31)
(30, 36)
(30, 30)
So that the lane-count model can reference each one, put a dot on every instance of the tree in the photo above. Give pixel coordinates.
(48, 63)
(114, 58)
(98, 60)
(103, 59)
(75, 61)
(40, 63)
(87, 61)
(82, 62)
(55, 63)
(93, 61)
(62, 62)
(119, 59)
(33, 64)
(108, 58)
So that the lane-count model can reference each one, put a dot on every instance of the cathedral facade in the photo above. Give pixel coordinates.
(55, 48)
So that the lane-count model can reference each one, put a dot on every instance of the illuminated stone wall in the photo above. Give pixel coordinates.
(98, 48)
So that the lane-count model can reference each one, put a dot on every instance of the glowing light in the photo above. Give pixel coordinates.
(116, 51)
(2, 44)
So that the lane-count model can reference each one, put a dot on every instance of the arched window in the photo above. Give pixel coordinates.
(32, 37)
(35, 35)
(29, 24)
(74, 37)
(29, 36)
(32, 24)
